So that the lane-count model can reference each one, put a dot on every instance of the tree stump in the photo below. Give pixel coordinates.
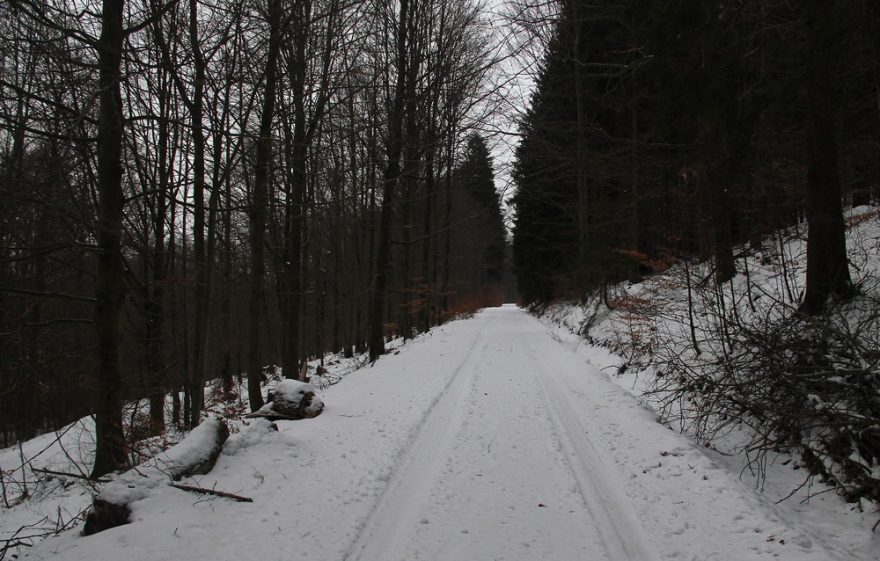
(105, 515)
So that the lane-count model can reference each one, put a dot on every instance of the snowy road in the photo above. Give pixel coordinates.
(487, 439)
(502, 468)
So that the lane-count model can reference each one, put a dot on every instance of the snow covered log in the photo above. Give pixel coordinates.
(290, 400)
(195, 454)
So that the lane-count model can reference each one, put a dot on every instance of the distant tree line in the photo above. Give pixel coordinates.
(667, 130)
(192, 191)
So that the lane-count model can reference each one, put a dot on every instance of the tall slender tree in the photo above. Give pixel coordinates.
(259, 208)
(389, 188)
(110, 292)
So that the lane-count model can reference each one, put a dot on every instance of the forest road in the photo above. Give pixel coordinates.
(501, 467)
(487, 439)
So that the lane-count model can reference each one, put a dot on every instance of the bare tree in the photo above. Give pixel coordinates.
(389, 188)
(110, 292)
(258, 207)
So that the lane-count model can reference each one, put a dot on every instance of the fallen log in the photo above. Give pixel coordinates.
(195, 454)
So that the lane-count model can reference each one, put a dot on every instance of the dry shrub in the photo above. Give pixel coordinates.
(857, 219)
(466, 306)
(462, 308)
(635, 306)
(656, 264)
(805, 385)
(390, 330)
(140, 428)
(225, 401)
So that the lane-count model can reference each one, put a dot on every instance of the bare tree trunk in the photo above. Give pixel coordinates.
(110, 293)
(722, 242)
(635, 223)
(155, 307)
(390, 179)
(873, 16)
(226, 299)
(429, 241)
(410, 182)
(447, 217)
(259, 202)
(177, 303)
(583, 210)
(222, 241)
(155, 311)
(293, 255)
(300, 185)
(202, 292)
(827, 266)
(873, 23)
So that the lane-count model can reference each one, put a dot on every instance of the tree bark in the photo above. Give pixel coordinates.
(447, 215)
(200, 340)
(583, 189)
(300, 189)
(259, 202)
(429, 243)
(297, 184)
(827, 266)
(110, 293)
(155, 305)
(392, 173)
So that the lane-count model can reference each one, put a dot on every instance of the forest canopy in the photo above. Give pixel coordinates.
(197, 190)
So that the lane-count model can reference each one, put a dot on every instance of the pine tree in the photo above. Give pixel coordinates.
(478, 178)
(478, 237)
(574, 169)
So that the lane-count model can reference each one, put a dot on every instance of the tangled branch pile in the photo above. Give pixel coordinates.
(810, 386)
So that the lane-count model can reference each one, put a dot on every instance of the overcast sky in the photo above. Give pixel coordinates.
(519, 47)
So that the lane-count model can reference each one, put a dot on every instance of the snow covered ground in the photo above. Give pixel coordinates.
(648, 324)
(491, 438)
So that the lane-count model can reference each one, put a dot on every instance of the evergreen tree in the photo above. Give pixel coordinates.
(545, 228)
(478, 178)
(670, 130)
(576, 225)
(480, 236)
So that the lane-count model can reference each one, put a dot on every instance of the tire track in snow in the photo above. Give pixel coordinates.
(615, 521)
(380, 536)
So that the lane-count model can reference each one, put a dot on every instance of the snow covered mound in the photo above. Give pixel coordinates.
(259, 431)
(291, 400)
(195, 455)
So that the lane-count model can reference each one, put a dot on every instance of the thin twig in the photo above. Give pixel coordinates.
(66, 474)
(205, 491)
